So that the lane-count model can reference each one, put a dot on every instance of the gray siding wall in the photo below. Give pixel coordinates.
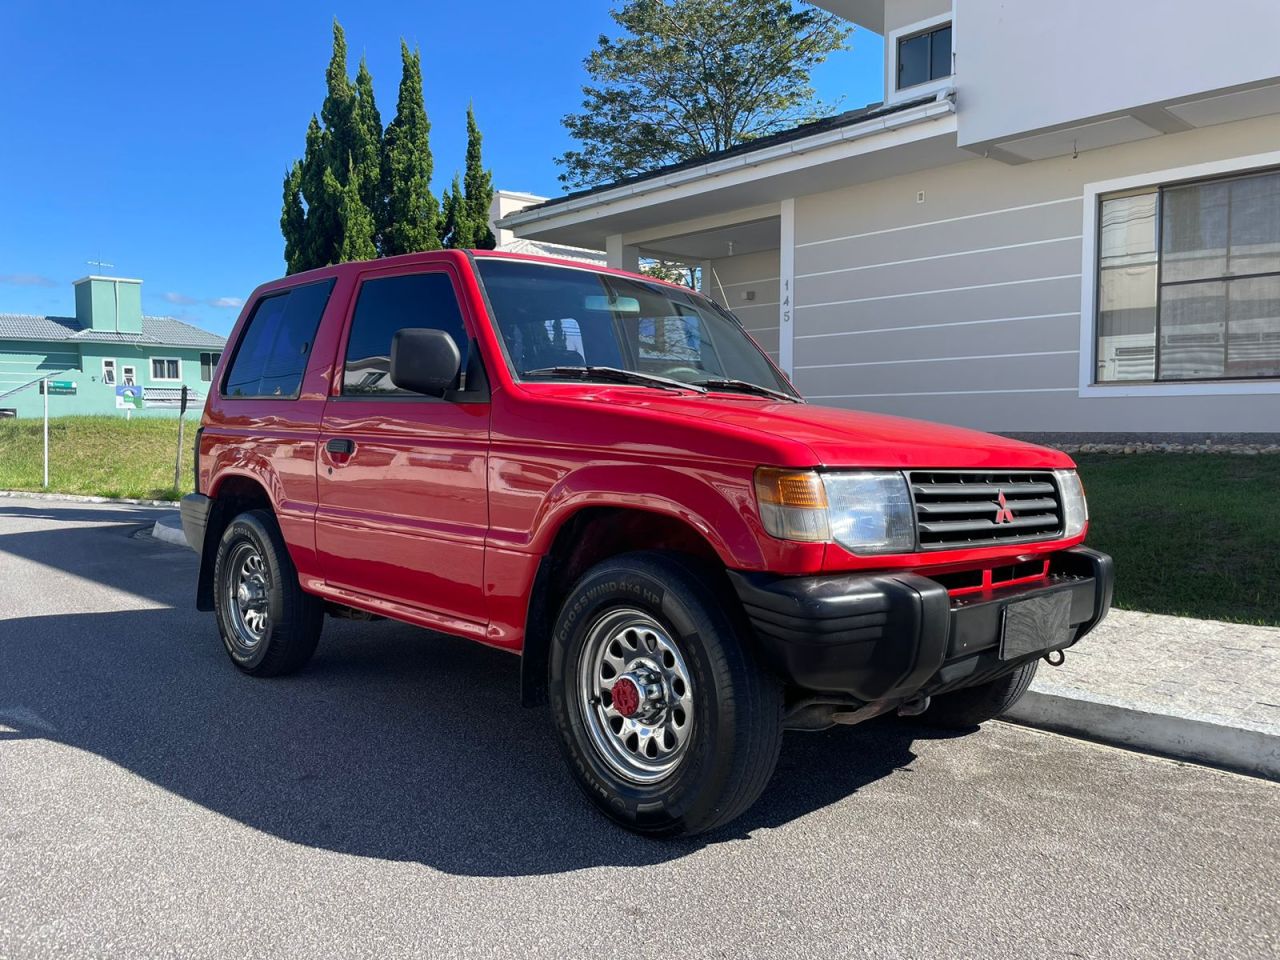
(965, 308)
(755, 273)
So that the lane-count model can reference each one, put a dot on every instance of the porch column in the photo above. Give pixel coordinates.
(786, 287)
(705, 284)
(619, 255)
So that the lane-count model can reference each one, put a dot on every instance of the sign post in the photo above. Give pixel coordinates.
(44, 388)
(182, 412)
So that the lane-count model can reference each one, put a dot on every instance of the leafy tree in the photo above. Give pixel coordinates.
(478, 183)
(672, 271)
(411, 217)
(691, 77)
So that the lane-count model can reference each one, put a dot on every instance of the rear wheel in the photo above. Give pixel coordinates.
(666, 720)
(269, 625)
(974, 705)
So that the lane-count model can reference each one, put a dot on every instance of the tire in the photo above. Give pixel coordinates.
(706, 719)
(971, 706)
(277, 632)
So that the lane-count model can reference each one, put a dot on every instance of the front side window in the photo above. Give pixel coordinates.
(386, 305)
(273, 350)
(165, 368)
(109, 372)
(551, 318)
(1189, 282)
(924, 57)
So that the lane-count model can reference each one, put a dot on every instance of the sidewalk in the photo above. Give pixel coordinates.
(1193, 689)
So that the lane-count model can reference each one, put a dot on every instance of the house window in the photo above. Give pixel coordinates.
(1189, 281)
(166, 368)
(109, 372)
(128, 376)
(923, 57)
(208, 363)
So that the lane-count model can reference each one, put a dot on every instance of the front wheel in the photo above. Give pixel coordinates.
(269, 625)
(668, 723)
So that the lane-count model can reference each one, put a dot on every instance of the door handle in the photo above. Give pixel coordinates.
(341, 446)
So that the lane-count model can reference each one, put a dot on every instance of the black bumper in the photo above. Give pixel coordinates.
(887, 637)
(195, 509)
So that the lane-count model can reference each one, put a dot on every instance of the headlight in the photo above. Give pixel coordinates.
(1075, 509)
(865, 512)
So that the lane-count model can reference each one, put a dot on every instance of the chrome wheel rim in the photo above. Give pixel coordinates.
(636, 696)
(248, 596)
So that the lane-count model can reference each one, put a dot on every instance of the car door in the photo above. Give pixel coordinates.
(403, 505)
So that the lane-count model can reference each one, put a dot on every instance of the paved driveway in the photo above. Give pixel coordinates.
(394, 799)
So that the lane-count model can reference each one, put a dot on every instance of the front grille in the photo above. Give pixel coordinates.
(960, 509)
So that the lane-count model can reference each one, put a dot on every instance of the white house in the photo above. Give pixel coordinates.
(1063, 219)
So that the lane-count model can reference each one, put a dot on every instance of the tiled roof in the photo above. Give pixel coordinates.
(545, 249)
(163, 331)
(849, 118)
(17, 326)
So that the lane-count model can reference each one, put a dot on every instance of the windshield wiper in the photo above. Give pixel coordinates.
(746, 386)
(616, 375)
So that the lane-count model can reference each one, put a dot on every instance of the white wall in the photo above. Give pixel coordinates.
(966, 307)
(755, 274)
(1023, 65)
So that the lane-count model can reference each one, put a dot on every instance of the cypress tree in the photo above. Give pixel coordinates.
(479, 190)
(323, 231)
(368, 152)
(456, 232)
(339, 110)
(293, 221)
(354, 216)
(411, 217)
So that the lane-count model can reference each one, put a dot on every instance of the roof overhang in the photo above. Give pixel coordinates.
(902, 142)
(868, 14)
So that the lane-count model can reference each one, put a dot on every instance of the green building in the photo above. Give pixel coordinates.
(107, 359)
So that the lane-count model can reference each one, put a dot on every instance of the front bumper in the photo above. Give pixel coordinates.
(884, 638)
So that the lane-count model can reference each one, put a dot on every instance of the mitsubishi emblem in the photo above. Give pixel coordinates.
(1003, 512)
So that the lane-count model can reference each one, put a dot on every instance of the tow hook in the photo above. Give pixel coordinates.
(1061, 656)
(914, 707)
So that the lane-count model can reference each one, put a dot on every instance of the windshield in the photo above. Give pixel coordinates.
(551, 318)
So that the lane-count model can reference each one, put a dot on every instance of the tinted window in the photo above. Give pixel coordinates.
(273, 352)
(390, 304)
(924, 57)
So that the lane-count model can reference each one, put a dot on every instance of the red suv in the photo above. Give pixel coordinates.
(604, 474)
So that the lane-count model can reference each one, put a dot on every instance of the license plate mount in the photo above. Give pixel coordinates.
(1036, 624)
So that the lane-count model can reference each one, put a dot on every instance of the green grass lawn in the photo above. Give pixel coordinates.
(97, 456)
(1194, 535)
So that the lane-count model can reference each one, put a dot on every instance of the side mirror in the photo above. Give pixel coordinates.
(425, 361)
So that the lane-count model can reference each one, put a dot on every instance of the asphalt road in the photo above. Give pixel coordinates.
(395, 800)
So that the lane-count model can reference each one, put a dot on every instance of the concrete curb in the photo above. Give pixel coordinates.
(1254, 752)
(169, 530)
(79, 498)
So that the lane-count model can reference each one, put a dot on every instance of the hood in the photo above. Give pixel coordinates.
(837, 437)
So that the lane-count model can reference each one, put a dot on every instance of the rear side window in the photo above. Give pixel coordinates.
(390, 304)
(272, 355)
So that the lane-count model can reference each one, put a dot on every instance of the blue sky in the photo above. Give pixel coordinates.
(156, 137)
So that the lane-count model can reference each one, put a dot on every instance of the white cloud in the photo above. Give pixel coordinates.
(181, 299)
(27, 280)
(227, 302)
